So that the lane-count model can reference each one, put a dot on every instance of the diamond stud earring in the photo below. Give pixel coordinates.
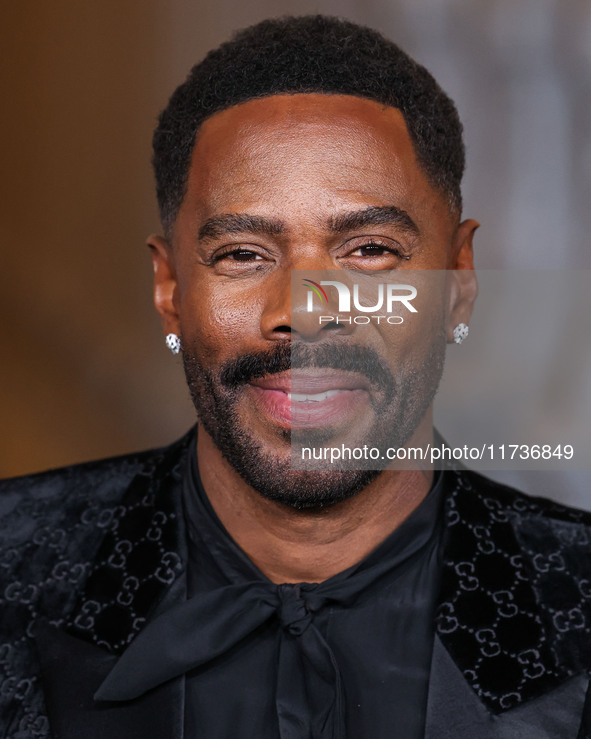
(461, 333)
(173, 343)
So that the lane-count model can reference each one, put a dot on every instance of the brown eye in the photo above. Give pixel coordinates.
(372, 250)
(239, 255)
(243, 256)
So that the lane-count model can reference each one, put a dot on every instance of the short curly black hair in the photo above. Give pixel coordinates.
(308, 54)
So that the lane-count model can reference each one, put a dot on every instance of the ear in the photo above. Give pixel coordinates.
(463, 286)
(165, 283)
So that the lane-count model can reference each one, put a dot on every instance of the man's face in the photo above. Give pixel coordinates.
(303, 182)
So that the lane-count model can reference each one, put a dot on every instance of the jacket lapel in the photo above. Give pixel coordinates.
(490, 618)
(454, 711)
(506, 662)
(142, 554)
(138, 572)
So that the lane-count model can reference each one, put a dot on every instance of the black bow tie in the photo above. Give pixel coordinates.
(194, 632)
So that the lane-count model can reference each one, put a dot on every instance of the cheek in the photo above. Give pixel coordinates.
(411, 341)
(218, 324)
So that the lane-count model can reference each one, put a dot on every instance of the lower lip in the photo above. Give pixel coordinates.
(309, 414)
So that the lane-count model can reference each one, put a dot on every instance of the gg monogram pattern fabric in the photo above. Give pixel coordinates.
(136, 562)
(99, 538)
(515, 604)
(93, 548)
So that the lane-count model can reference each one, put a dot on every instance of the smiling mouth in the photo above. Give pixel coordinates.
(311, 398)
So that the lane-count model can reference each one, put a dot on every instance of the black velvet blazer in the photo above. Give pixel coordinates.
(89, 552)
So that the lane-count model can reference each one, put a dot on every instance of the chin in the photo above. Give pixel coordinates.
(274, 479)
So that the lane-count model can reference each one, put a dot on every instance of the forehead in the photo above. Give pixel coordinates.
(319, 151)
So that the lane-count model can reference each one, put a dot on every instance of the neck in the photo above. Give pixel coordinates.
(290, 545)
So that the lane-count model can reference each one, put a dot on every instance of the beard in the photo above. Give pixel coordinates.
(399, 402)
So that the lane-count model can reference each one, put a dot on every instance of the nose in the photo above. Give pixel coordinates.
(294, 309)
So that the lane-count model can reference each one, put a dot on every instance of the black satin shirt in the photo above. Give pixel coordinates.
(346, 658)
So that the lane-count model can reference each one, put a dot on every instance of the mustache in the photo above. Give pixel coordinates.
(289, 355)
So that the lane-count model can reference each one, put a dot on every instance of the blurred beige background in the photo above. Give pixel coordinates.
(84, 370)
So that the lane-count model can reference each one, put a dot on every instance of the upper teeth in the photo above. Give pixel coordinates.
(311, 398)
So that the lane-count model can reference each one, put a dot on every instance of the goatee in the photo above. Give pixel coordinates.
(398, 403)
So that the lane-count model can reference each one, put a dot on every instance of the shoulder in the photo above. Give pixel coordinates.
(486, 500)
(58, 493)
(51, 523)
(509, 537)
(551, 540)
(48, 499)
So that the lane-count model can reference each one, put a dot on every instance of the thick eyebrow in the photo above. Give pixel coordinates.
(238, 223)
(379, 215)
